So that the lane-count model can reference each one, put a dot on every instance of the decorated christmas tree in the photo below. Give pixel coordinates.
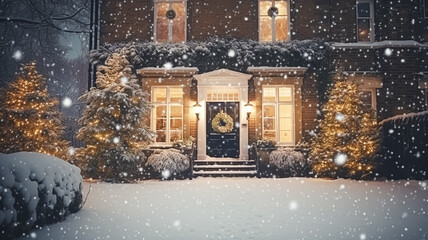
(347, 136)
(113, 126)
(29, 118)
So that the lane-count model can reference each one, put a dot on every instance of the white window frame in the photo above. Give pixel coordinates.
(371, 19)
(167, 103)
(170, 29)
(274, 21)
(276, 103)
(373, 93)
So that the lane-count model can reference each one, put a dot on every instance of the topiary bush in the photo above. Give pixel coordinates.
(35, 190)
(168, 162)
(289, 163)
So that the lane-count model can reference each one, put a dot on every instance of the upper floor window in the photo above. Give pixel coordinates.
(273, 20)
(170, 21)
(365, 20)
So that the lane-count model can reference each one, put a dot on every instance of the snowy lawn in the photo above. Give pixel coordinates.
(239, 208)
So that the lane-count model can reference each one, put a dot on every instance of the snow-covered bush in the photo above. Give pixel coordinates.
(290, 162)
(36, 189)
(186, 143)
(170, 161)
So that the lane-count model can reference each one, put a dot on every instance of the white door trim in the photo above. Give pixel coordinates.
(223, 78)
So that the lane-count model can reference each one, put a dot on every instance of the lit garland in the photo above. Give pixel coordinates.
(355, 135)
(30, 120)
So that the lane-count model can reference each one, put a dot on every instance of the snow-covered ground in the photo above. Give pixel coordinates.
(238, 208)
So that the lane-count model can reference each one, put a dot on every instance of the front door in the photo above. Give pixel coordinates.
(221, 144)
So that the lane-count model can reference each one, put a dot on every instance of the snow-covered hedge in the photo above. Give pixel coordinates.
(291, 163)
(404, 146)
(36, 189)
(170, 161)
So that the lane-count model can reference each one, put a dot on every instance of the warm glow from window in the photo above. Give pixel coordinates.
(365, 20)
(273, 28)
(221, 94)
(167, 117)
(170, 30)
(278, 114)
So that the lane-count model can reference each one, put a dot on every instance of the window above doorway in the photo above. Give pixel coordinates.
(170, 21)
(274, 21)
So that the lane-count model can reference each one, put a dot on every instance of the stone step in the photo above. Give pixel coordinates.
(216, 167)
(224, 162)
(225, 173)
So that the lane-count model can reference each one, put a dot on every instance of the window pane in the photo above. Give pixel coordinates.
(176, 112)
(161, 136)
(159, 95)
(162, 29)
(264, 7)
(366, 98)
(364, 30)
(363, 9)
(179, 30)
(176, 95)
(268, 111)
(286, 136)
(265, 29)
(269, 135)
(175, 135)
(281, 28)
(269, 124)
(282, 8)
(269, 94)
(285, 111)
(176, 124)
(285, 94)
(162, 9)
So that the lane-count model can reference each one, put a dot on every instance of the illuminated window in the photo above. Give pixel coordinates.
(365, 20)
(170, 21)
(223, 95)
(278, 114)
(167, 115)
(273, 20)
(368, 97)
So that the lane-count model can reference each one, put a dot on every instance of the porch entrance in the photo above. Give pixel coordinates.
(225, 145)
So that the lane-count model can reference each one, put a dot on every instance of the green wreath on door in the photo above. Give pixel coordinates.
(222, 117)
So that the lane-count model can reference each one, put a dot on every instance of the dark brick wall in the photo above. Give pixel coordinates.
(125, 21)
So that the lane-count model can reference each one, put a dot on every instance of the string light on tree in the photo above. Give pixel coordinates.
(347, 138)
(30, 118)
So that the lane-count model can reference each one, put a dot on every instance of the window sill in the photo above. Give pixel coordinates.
(157, 146)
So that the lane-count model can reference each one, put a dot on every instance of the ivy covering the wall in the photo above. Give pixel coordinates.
(229, 53)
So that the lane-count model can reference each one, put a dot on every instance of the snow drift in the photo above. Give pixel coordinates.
(36, 189)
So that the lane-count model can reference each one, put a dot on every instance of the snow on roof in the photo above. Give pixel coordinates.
(382, 44)
(175, 71)
(408, 116)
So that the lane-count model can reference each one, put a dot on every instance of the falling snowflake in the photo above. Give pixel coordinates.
(388, 52)
(231, 53)
(71, 151)
(292, 205)
(363, 236)
(123, 80)
(116, 140)
(166, 173)
(340, 159)
(167, 65)
(340, 117)
(66, 102)
(17, 55)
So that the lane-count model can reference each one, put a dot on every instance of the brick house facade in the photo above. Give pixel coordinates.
(380, 43)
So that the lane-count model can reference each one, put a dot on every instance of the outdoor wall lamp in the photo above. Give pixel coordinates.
(197, 108)
(248, 109)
